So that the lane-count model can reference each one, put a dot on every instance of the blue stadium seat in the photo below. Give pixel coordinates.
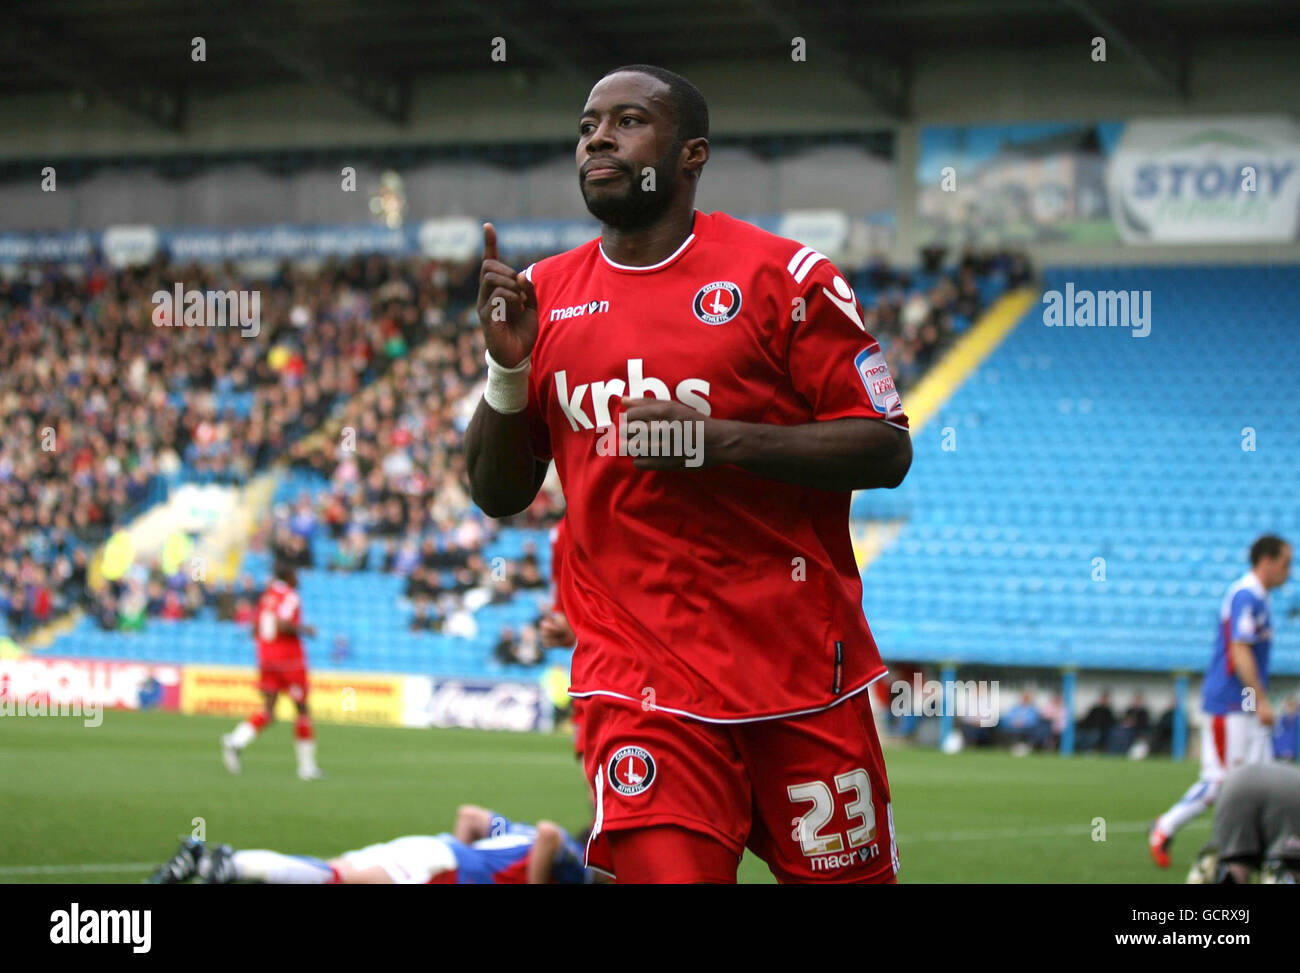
(1081, 444)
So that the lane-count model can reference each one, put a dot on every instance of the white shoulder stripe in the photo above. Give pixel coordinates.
(803, 262)
(799, 255)
(528, 272)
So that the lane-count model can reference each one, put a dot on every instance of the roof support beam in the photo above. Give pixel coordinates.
(1161, 64)
(573, 49)
(881, 75)
(264, 28)
(55, 60)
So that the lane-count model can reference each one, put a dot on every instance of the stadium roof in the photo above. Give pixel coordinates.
(138, 52)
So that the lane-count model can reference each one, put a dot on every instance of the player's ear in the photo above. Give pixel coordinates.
(696, 154)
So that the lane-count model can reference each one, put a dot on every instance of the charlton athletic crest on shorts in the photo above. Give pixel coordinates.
(717, 303)
(631, 771)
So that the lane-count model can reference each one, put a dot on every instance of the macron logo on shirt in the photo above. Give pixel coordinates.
(690, 392)
(579, 310)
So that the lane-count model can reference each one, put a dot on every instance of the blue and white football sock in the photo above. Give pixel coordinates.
(274, 868)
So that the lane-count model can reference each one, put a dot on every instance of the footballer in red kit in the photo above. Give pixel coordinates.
(555, 628)
(281, 667)
(281, 664)
(711, 398)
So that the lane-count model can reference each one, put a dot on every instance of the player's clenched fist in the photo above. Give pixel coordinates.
(507, 306)
(687, 439)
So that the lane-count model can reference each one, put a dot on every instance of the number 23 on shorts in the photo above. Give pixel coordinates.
(809, 828)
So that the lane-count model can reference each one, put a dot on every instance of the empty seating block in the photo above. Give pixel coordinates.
(1085, 497)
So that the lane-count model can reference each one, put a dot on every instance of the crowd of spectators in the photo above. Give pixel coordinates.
(915, 323)
(365, 371)
(148, 592)
(447, 575)
(98, 405)
(1029, 726)
(397, 499)
(39, 587)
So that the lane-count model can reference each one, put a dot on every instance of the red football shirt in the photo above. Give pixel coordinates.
(710, 593)
(278, 603)
(559, 551)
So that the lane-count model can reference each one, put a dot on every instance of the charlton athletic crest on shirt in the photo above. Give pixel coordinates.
(631, 771)
(717, 303)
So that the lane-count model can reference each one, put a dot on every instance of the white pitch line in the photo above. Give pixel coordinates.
(1072, 831)
(73, 869)
(1002, 834)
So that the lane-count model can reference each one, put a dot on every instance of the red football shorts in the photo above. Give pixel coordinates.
(577, 727)
(288, 676)
(807, 794)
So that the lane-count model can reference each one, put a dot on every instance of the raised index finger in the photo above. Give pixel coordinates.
(489, 242)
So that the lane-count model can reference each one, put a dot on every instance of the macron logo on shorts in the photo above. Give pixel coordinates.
(631, 771)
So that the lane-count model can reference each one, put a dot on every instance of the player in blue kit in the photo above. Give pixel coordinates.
(486, 849)
(1234, 697)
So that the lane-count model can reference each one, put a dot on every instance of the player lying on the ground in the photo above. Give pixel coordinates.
(486, 849)
(1256, 829)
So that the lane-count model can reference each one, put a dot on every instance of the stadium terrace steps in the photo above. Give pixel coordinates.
(871, 537)
(943, 380)
(362, 617)
(1066, 446)
(874, 536)
(376, 642)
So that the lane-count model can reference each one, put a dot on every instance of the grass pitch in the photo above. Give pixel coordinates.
(106, 804)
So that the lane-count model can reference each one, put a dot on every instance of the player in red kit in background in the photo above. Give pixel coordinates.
(722, 653)
(282, 667)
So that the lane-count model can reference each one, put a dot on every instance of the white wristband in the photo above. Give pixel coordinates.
(507, 388)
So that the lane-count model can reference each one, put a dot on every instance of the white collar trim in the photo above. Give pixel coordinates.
(667, 260)
(1255, 585)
